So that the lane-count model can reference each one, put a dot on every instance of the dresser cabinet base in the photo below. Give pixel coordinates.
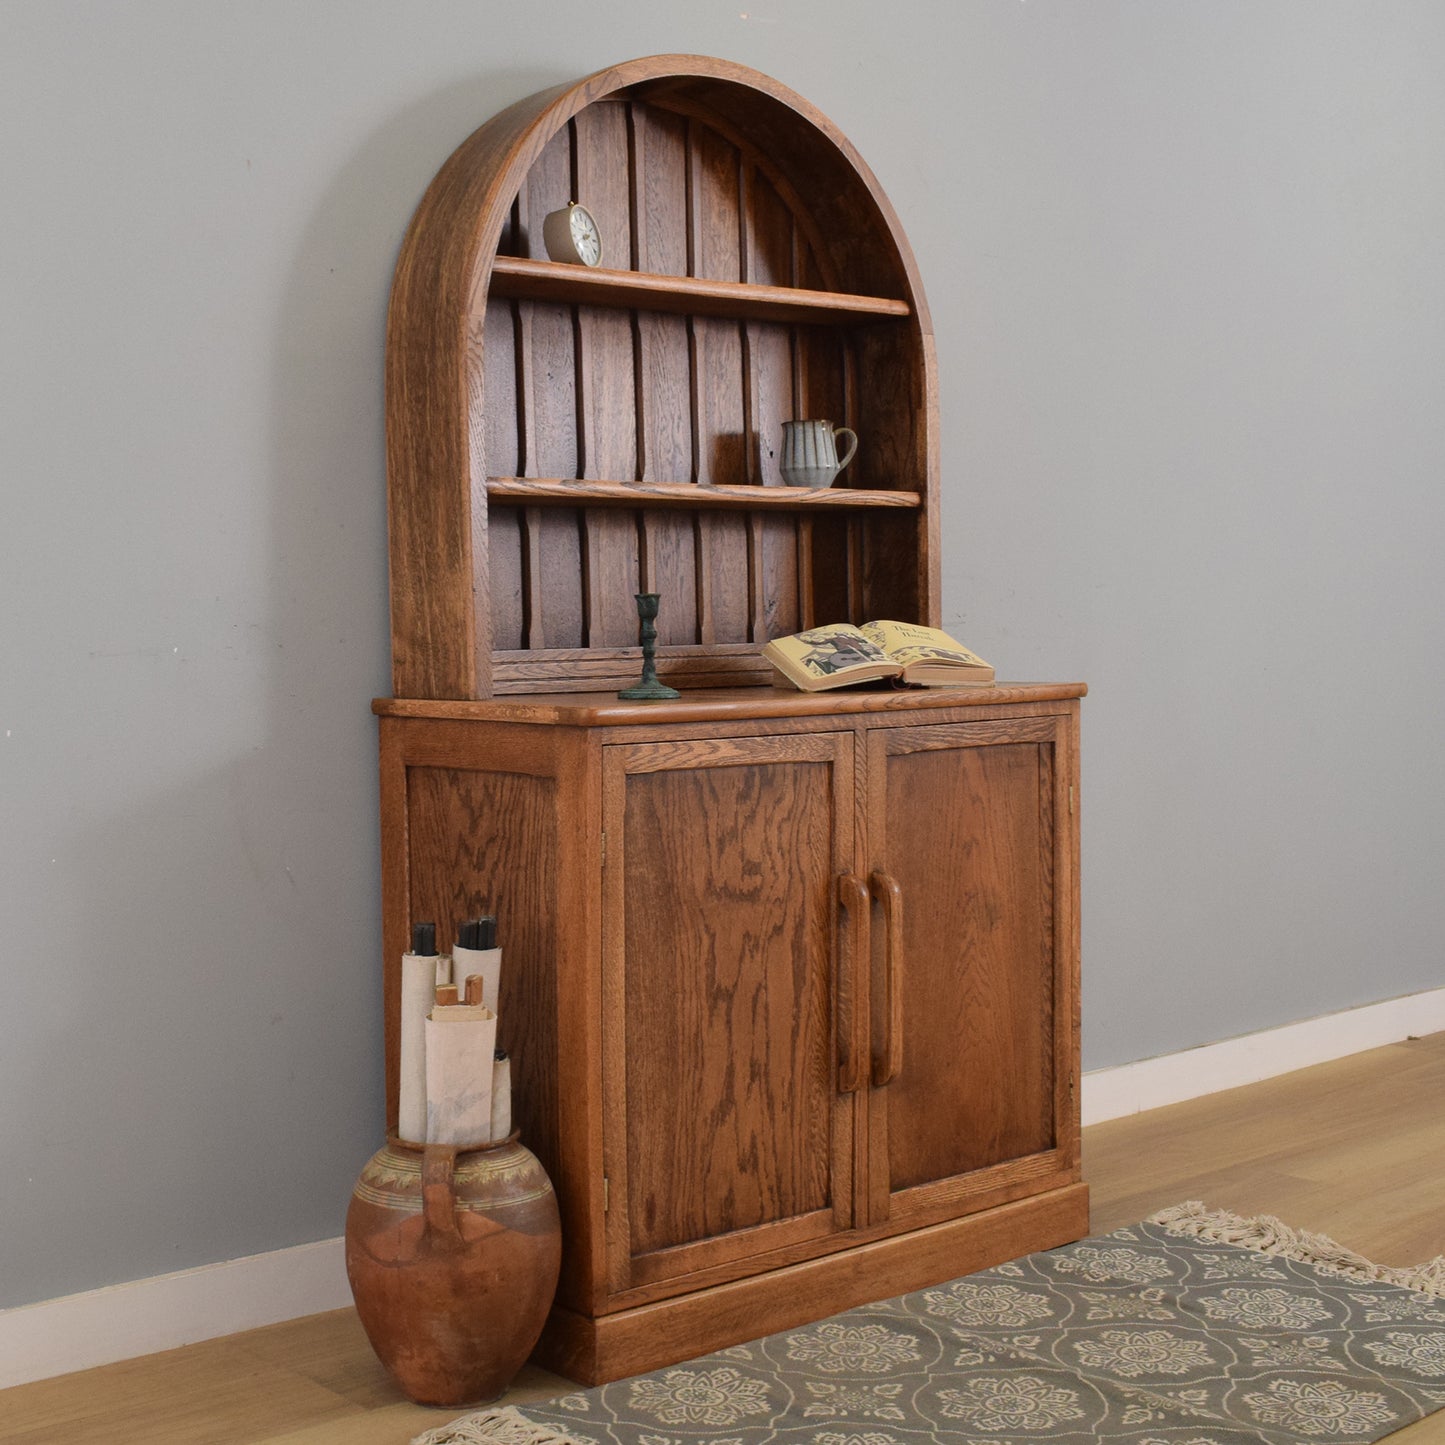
(651, 1336)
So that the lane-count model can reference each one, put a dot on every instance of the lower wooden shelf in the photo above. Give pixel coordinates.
(563, 492)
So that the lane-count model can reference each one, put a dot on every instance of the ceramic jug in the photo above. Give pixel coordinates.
(453, 1257)
(810, 452)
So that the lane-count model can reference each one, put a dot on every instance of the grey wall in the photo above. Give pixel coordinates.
(1184, 263)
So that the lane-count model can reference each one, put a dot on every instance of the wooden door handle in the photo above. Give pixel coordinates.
(852, 1050)
(886, 1065)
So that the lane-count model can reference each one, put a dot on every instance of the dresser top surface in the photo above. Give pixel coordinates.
(605, 709)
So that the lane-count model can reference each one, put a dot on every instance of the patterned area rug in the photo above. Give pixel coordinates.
(1194, 1328)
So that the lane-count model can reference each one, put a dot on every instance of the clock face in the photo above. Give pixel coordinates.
(585, 236)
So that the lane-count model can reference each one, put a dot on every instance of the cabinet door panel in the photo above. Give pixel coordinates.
(965, 818)
(724, 1131)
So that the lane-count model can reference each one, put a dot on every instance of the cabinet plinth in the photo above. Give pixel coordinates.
(764, 972)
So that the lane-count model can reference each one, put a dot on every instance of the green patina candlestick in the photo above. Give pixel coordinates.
(649, 689)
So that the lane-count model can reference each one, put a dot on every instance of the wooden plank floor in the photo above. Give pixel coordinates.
(1354, 1149)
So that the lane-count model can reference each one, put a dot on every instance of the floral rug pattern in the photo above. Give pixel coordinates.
(1147, 1335)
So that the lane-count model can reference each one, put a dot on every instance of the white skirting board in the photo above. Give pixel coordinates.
(1192, 1073)
(77, 1331)
(145, 1316)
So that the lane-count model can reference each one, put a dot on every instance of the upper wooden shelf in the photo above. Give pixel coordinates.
(561, 491)
(528, 280)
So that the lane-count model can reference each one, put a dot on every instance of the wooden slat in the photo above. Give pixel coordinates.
(807, 613)
(769, 254)
(504, 558)
(564, 491)
(752, 461)
(716, 253)
(534, 628)
(819, 381)
(857, 595)
(665, 427)
(636, 229)
(553, 443)
(685, 295)
(607, 392)
(526, 446)
(858, 601)
(807, 609)
(701, 525)
(498, 412)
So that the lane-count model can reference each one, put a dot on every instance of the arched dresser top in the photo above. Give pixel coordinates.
(473, 457)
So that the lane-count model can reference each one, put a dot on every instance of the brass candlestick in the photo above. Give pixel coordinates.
(649, 689)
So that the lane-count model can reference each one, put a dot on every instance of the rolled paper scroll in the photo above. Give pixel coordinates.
(501, 1096)
(477, 952)
(461, 1042)
(421, 971)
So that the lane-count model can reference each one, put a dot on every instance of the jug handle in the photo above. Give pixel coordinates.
(848, 432)
(439, 1196)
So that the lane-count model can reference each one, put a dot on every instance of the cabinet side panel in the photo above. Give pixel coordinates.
(728, 1046)
(970, 841)
(487, 843)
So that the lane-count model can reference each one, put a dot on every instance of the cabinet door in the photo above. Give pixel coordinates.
(724, 1131)
(974, 965)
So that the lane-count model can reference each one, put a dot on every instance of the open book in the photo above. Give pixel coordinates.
(840, 654)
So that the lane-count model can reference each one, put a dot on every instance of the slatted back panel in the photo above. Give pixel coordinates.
(574, 391)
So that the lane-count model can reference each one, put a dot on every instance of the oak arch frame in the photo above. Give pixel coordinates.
(442, 644)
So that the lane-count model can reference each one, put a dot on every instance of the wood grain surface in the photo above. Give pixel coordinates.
(679, 294)
(719, 961)
(978, 989)
(463, 861)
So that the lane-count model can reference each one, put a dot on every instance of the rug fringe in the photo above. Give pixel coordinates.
(507, 1426)
(1269, 1235)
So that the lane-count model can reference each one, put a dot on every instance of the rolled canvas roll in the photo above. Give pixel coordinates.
(420, 975)
(501, 1096)
(459, 1060)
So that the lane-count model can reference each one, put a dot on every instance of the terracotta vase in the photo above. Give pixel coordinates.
(453, 1254)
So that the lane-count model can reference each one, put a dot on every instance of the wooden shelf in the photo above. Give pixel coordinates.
(562, 492)
(516, 276)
